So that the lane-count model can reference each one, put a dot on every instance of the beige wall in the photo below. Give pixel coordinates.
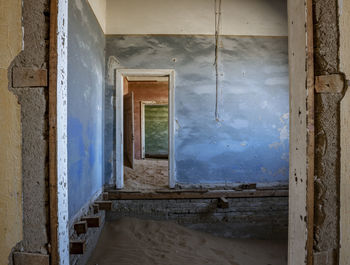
(239, 17)
(10, 132)
(99, 8)
(344, 21)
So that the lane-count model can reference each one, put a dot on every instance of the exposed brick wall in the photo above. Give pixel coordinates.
(263, 218)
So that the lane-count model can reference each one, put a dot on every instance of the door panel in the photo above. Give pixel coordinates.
(129, 130)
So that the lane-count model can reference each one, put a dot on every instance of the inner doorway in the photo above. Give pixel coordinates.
(145, 131)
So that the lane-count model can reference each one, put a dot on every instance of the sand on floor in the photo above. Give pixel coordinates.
(132, 241)
(147, 174)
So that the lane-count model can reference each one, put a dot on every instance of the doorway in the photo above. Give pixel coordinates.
(301, 145)
(145, 129)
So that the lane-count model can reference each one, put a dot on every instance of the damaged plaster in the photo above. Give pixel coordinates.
(34, 118)
(327, 133)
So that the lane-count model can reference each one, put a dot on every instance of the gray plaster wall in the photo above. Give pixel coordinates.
(250, 140)
(327, 131)
(86, 62)
(34, 119)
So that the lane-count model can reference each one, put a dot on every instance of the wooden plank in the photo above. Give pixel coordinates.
(92, 221)
(249, 186)
(310, 132)
(29, 77)
(81, 227)
(329, 83)
(104, 205)
(301, 169)
(55, 255)
(96, 208)
(117, 195)
(223, 203)
(344, 252)
(105, 196)
(23, 258)
(77, 247)
(182, 191)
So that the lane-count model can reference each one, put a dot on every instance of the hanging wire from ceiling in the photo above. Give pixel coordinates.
(216, 63)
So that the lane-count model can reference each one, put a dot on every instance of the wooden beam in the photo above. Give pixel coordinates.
(23, 258)
(96, 208)
(104, 205)
(29, 77)
(330, 83)
(119, 195)
(55, 255)
(92, 221)
(81, 227)
(105, 196)
(223, 203)
(76, 247)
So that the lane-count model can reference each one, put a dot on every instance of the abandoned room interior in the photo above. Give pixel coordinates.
(174, 132)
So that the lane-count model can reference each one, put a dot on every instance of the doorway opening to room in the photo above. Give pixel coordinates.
(146, 129)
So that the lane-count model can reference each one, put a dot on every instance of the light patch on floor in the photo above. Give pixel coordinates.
(148, 174)
(132, 241)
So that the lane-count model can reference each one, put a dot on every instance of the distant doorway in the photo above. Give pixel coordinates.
(145, 129)
(154, 129)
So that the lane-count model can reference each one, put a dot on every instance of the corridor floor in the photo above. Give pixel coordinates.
(147, 174)
(131, 241)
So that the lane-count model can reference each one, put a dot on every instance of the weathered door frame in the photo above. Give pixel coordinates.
(301, 132)
(120, 74)
(58, 155)
(143, 134)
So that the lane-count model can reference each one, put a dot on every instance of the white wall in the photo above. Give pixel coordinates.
(239, 17)
(100, 7)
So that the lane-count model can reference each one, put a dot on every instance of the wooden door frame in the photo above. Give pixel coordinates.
(301, 189)
(120, 75)
(143, 104)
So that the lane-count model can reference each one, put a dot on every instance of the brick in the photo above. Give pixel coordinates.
(77, 247)
(92, 221)
(80, 227)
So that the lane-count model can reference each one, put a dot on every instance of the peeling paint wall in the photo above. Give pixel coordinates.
(11, 231)
(86, 43)
(34, 117)
(327, 131)
(250, 142)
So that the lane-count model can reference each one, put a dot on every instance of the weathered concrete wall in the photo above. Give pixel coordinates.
(250, 141)
(263, 218)
(86, 43)
(145, 91)
(34, 111)
(327, 131)
(11, 231)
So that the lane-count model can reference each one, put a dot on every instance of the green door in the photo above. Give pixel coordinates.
(156, 131)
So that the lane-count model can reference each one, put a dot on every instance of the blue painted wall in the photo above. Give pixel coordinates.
(86, 64)
(250, 142)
